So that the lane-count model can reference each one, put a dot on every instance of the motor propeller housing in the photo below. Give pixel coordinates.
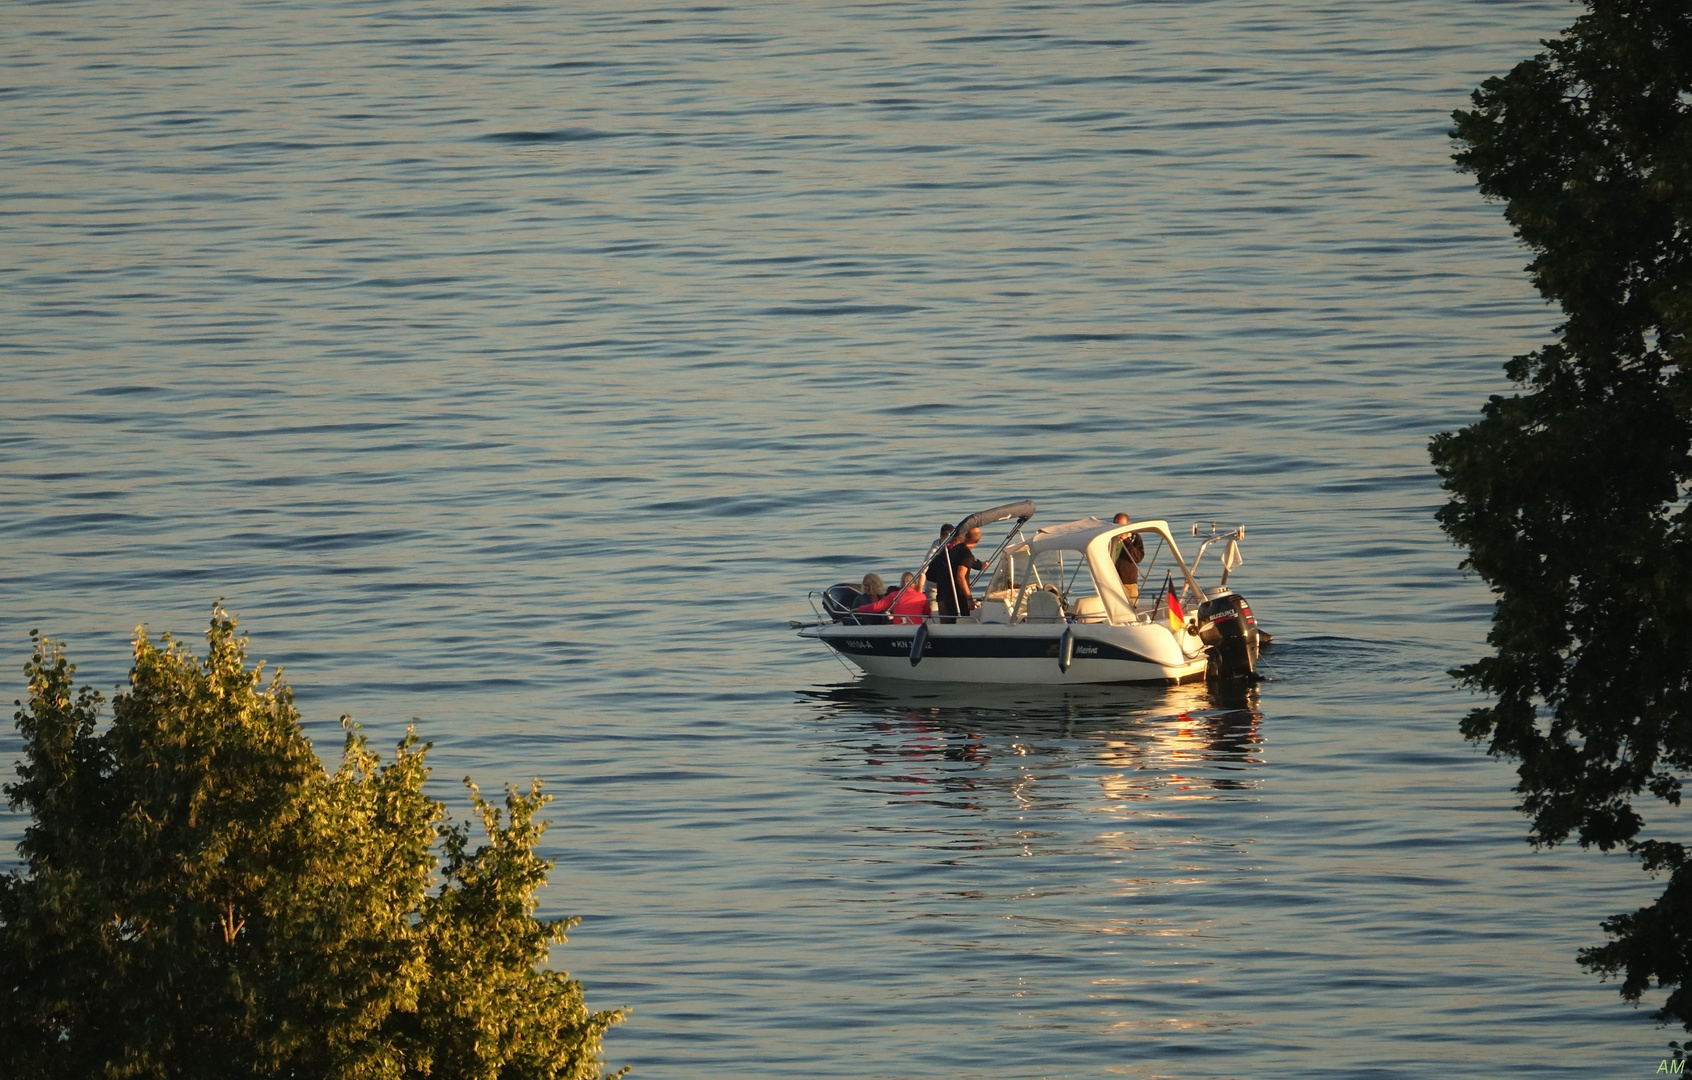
(1230, 635)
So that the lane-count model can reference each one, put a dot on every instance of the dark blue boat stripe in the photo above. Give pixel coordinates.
(980, 648)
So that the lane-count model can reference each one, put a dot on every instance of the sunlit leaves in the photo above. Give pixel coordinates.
(201, 898)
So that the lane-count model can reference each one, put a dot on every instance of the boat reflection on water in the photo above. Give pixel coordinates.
(1083, 845)
(971, 747)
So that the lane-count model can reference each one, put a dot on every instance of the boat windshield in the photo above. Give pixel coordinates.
(1065, 571)
(1148, 566)
(1010, 571)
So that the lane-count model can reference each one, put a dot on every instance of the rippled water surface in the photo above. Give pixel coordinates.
(519, 368)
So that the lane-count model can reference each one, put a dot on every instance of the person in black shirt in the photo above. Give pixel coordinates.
(949, 571)
(922, 578)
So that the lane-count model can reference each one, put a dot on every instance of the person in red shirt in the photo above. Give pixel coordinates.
(906, 604)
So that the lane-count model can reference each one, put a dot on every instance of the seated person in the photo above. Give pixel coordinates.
(874, 588)
(903, 605)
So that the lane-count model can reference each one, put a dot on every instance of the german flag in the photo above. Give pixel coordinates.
(1177, 617)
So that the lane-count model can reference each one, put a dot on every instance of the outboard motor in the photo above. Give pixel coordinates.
(1229, 632)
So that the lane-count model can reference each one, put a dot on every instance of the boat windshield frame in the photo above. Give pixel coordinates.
(1093, 537)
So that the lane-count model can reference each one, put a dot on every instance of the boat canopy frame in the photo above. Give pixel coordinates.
(1092, 537)
(1021, 510)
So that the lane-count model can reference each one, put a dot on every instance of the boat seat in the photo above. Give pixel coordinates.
(1020, 603)
(839, 600)
(1043, 606)
(1090, 609)
(996, 608)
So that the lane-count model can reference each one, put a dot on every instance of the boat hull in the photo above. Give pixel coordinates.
(970, 652)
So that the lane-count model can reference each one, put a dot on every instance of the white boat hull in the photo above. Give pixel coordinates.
(969, 652)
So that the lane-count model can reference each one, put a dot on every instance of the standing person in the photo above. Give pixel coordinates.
(949, 571)
(922, 578)
(1128, 550)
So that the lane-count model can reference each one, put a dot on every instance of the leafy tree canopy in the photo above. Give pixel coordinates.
(201, 898)
(1570, 496)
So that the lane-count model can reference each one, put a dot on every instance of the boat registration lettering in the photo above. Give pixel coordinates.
(859, 643)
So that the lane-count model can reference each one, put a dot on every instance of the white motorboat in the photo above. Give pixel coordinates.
(1055, 610)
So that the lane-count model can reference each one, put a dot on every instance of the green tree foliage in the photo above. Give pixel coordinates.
(1571, 495)
(201, 898)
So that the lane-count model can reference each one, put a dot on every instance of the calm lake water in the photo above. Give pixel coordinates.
(519, 368)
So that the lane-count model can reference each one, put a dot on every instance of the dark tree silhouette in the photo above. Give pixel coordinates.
(1570, 496)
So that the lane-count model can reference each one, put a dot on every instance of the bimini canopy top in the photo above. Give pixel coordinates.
(1079, 535)
(1071, 535)
(1021, 511)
